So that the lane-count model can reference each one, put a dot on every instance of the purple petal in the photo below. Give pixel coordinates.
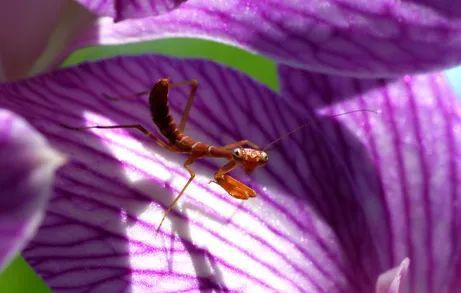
(100, 7)
(393, 281)
(28, 165)
(403, 167)
(359, 38)
(340, 202)
(123, 9)
(28, 35)
(99, 233)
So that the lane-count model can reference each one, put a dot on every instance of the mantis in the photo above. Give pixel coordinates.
(240, 153)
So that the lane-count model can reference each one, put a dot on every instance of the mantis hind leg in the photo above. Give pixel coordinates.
(135, 95)
(190, 100)
(139, 127)
(187, 164)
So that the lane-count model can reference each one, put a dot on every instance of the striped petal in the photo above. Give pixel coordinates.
(339, 204)
(27, 167)
(123, 9)
(358, 38)
(29, 36)
(401, 167)
(99, 233)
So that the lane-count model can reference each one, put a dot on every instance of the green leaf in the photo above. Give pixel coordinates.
(20, 277)
(259, 67)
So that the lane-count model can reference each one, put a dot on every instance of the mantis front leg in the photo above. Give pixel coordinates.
(233, 187)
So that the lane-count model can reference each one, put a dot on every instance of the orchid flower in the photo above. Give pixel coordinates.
(352, 203)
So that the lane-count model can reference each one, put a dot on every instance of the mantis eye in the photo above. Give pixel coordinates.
(264, 157)
(237, 153)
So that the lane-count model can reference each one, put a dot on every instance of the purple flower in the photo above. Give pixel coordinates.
(351, 203)
(33, 33)
(357, 38)
(120, 10)
(28, 166)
